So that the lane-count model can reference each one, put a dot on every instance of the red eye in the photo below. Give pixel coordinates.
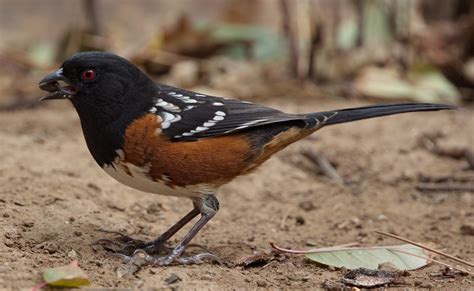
(88, 75)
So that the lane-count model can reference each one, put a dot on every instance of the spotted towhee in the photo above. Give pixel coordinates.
(170, 141)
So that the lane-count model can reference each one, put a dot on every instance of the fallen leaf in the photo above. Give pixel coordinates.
(66, 276)
(365, 278)
(422, 84)
(370, 257)
(402, 257)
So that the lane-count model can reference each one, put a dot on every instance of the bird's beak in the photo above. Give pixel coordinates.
(57, 85)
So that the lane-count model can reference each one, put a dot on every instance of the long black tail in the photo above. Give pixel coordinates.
(358, 113)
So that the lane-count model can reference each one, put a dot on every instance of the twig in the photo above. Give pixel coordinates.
(459, 178)
(343, 247)
(90, 10)
(436, 261)
(335, 21)
(469, 155)
(430, 144)
(359, 4)
(267, 265)
(445, 187)
(290, 36)
(162, 57)
(283, 220)
(325, 166)
(20, 105)
(426, 248)
(316, 41)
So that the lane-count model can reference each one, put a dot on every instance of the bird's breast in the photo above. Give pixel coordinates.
(151, 162)
(139, 178)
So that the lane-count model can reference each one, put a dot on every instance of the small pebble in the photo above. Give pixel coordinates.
(261, 283)
(8, 242)
(72, 254)
(173, 278)
(300, 220)
(467, 229)
(423, 284)
(207, 277)
(28, 224)
(307, 205)
(381, 217)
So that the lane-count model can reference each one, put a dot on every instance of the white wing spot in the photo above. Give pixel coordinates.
(209, 123)
(245, 125)
(201, 128)
(167, 116)
(217, 103)
(167, 119)
(176, 118)
(184, 98)
(167, 106)
(219, 115)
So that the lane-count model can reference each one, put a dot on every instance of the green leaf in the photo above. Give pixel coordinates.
(266, 44)
(347, 32)
(376, 24)
(422, 84)
(370, 257)
(42, 54)
(66, 276)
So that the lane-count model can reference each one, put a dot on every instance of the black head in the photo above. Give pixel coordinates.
(108, 93)
(98, 81)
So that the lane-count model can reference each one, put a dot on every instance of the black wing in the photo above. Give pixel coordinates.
(189, 116)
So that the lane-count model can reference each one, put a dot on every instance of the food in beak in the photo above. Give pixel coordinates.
(58, 85)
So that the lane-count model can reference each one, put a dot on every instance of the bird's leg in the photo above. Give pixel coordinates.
(128, 245)
(175, 228)
(207, 206)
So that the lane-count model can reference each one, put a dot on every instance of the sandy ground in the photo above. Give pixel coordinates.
(53, 198)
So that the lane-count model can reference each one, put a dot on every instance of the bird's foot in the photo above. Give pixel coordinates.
(125, 246)
(174, 257)
(141, 258)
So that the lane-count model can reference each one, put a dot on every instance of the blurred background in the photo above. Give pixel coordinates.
(412, 175)
(418, 50)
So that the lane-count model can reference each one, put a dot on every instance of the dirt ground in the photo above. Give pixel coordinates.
(53, 197)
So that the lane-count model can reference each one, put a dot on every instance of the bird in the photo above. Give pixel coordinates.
(169, 141)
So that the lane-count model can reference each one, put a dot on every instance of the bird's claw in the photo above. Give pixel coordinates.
(173, 258)
(126, 245)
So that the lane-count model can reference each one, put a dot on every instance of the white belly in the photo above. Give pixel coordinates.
(137, 178)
